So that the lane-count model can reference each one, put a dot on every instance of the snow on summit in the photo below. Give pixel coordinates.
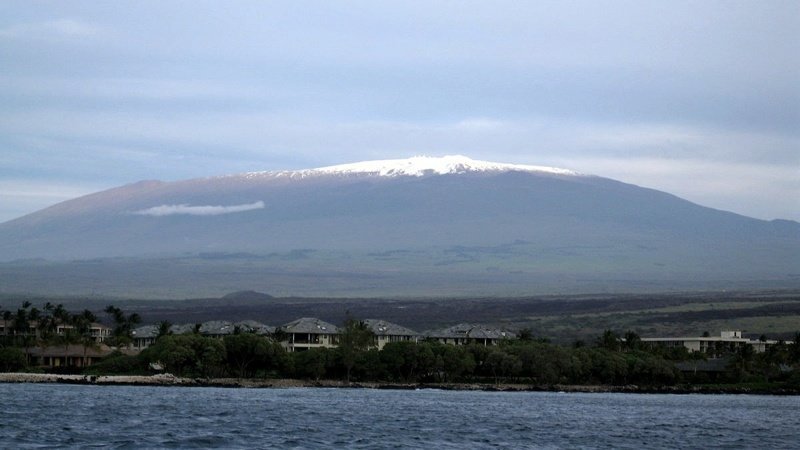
(425, 165)
(418, 166)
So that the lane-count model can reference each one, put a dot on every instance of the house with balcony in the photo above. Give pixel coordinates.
(713, 346)
(307, 333)
(97, 331)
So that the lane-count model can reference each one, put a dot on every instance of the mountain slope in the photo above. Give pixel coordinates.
(420, 204)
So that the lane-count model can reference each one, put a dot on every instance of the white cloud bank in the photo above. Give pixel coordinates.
(207, 210)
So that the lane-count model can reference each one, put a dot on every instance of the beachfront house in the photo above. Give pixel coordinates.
(97, 331)
(386, 332)
(466, 333)
(252, 326)
(146, 335)
(306, 333)
(69, 356)
(713, 346)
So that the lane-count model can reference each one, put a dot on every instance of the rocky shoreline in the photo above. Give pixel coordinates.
(171, 380)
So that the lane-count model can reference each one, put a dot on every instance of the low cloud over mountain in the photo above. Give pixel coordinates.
(208, 210)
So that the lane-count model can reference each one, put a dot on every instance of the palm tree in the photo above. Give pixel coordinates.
(21, 326)
(34, 315)
(609, 340)
(83, 327)
(7, 316)
(48, 324)
(164, 328)
(632, 340)
(123, 325)
(354, 338)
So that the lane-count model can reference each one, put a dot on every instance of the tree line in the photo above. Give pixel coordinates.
(612, 358)
(29, 326)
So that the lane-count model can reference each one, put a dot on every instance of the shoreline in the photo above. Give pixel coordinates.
(170, 380)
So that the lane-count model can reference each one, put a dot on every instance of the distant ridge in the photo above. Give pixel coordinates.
(247, 296)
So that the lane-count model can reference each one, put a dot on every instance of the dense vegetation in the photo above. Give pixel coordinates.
(532, 361)
(609, 359)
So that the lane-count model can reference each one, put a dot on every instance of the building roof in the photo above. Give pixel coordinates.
(251, 326)
(93, 325)
(147, 331)
(309, 325)
(217, 328)
(384, 328)
(471, 331)
(71, 350)
(8, 324)
(698, 339)
(714, 339)
(182, 328)
(481, 332)
(211, 328)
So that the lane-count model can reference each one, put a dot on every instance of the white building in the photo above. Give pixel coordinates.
(726, 342)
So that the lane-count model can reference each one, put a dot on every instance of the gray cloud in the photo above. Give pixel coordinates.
(208, 210)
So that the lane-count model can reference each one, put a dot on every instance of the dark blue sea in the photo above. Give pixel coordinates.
(73, 416)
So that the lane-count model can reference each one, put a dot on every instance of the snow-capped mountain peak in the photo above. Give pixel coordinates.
(419, 166)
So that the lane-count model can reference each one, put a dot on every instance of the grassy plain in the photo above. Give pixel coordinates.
(512, 270)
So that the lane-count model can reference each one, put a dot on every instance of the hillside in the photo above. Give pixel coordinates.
(419, 225)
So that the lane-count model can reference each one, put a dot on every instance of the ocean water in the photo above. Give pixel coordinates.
(74, 416)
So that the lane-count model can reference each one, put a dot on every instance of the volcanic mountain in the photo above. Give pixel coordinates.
(450, 218)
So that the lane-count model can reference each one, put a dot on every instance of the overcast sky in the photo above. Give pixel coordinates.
(700, 99)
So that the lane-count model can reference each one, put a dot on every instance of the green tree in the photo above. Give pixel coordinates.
(455, 362)
(603, 366)
(500, 364)
(354, 339)
(48, 323)
(408, 361)
(312, 363)
(247, 353)
(525, 335)
(609, 341)
(118, 363)
(741, 364)
(794, 349)
(21, 326)
(369, 366)
(12, 359)
(187, 354)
